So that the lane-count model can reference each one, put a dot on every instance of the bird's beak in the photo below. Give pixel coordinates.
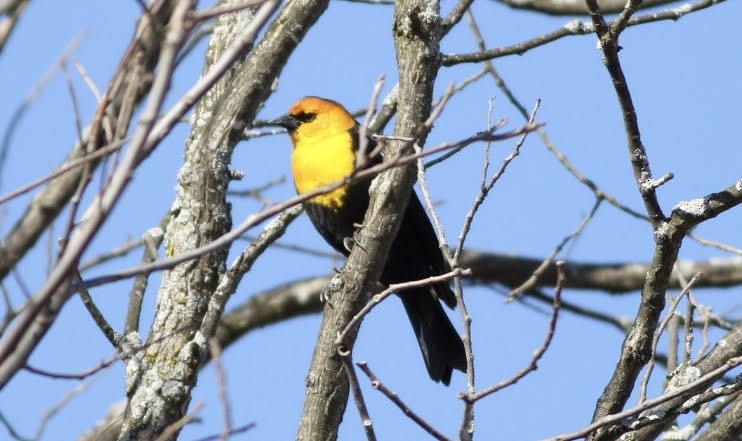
(288, 122)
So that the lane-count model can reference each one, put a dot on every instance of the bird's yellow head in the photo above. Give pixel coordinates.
(325, 141)
(313, 119)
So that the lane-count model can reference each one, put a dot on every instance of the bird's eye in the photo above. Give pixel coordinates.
(305, 117)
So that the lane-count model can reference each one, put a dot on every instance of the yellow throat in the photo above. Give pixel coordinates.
(322, 159)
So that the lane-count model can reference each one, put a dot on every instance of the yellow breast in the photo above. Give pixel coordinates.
(318, 162)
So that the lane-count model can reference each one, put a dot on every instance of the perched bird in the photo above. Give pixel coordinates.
(325, 139)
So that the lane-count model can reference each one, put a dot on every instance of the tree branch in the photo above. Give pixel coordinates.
(636, 348)
(575, 27)
(575, 7)
(34, 322)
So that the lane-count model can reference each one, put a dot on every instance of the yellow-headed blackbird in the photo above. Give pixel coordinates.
(325, 138)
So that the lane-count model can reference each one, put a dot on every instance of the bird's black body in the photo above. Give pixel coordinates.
(317, 126)
(414, 255)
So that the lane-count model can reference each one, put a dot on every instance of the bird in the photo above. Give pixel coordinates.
(325, 139)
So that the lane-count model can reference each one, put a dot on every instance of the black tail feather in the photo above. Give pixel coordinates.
(440, 343)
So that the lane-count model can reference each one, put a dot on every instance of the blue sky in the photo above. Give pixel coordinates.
(684, 77)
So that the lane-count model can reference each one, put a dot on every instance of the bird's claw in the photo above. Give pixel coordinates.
(324, 297)
(348, 243)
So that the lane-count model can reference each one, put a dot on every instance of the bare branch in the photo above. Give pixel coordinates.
(683, 392)
(539, 353)
(152, 240)
(608, 37)
(618, 277)
(725, 425)
(35, 320)
(50, 413)
(456, 15)
(6, 27)
(113, 337)
(355, 387)
(13, 9)
(11, 430)
(670, 314)
(392, 289)
(538, 272)
(715, 244)
(221, 374)
(173, 429)
(636, 348)
(575, 27)
(376, 384)
(575, 7)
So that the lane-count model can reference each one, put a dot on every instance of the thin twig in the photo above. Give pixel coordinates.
(709, 413)
(257, 192)
(236, 431)
(466, 82)
(361, 157)
(485, 189)
(533, 364)
(221, 377)
(88, 80)
(355, 387)
(174, 428)
(10, 310)
(423, 184)
(334, 255)
(11, 430)
(623, 324)
(689, 334)
(392, 289)
(18, 114)
(715, 244)
(708, 318)
(54, 410)
(84, 180)
(531, 282)
(123, 354)
(658, 334)
(66, 167)
(673, 337)
(77, 376)
(378, 385)
(115, 253)
(152, 240)
(113, 337)
(617, 418)
(242, 264)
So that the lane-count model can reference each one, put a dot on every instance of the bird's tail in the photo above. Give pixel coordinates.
(440, 343)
